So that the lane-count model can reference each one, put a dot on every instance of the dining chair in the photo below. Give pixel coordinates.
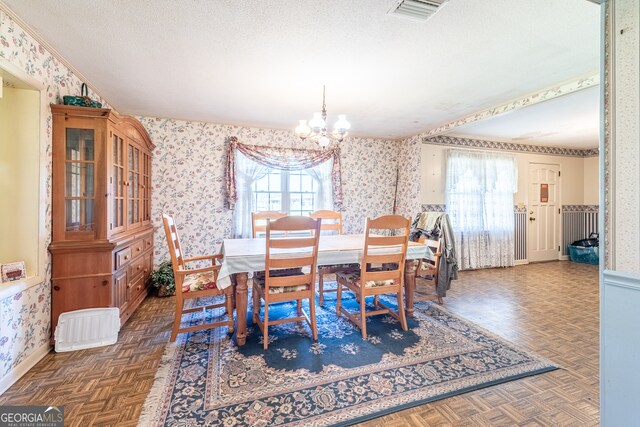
(259, 220)
(386, 279)
(429, 268)
(298, 283)
(331, 220)
(194, 283)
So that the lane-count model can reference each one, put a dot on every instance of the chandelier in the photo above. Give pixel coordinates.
(316, 129)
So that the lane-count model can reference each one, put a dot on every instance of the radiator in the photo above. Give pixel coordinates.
(577, 223)
(92, 327)
(520, 238)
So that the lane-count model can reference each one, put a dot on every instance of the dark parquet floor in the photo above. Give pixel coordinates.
(548, 308)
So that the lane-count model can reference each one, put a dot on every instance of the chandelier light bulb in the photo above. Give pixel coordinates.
(323, 141)
(303, 130)
(316, 123)
(342, 125)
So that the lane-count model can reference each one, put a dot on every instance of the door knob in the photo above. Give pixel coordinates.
(531, 218)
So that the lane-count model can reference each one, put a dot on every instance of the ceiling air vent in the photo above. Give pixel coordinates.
(416, 9)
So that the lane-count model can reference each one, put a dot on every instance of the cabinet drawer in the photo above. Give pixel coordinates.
(137, 267)
(148, 265)
(123, 256)
(148, 243)
(134, 288)
(137, 248)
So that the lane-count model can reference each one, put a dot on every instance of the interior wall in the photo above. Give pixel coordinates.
(576, 187)
(591, 181)
(189, 178)
(620, 269)
(19, 176)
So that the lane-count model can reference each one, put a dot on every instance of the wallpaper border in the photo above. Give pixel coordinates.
(456, 141)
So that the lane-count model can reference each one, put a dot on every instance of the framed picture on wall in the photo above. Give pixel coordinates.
(13, 271)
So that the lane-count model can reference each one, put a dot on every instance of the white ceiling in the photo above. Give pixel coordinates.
(570, 121)
(263, 62)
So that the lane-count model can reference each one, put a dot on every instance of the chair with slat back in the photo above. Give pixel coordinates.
(388, 279)
(259, 221)
(295, 284)
(429, 268)
(194, 283)
(331, 221)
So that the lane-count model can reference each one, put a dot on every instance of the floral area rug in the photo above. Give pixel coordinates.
(206, 379)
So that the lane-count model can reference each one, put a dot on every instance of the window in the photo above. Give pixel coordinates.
(480, 189)
(295, 192)
(264, 188)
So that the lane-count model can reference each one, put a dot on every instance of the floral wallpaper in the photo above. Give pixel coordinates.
(409, 159)
(24, 325)
(189, 173)
(25, 316)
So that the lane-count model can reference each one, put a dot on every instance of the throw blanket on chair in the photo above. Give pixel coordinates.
(436, 225)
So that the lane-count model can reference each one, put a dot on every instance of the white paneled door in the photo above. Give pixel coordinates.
(544, 212)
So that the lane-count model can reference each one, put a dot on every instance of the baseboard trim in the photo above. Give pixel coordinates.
(16, 373)
(564, 258)
(521, 262)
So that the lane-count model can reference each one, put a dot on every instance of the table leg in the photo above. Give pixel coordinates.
(410, 269)
(240, 283)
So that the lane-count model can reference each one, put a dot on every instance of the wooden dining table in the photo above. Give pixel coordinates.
(242, 256)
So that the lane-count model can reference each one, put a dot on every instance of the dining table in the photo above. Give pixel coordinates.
(244, 256)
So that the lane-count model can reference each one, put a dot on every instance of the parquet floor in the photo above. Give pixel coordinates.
(550, 309)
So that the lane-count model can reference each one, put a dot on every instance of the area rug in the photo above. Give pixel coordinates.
(206, 379)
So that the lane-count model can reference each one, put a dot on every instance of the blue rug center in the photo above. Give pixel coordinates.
(291, 346)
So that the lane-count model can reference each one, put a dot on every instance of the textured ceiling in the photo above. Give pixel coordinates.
(263, 62)
(569, 121)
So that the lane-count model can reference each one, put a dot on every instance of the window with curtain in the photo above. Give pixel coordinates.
(295, 192)
(264, 188)
(479, 198)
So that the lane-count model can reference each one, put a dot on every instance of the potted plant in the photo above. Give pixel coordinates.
(162, 278)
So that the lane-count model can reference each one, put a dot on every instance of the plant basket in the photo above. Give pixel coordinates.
(164, 292)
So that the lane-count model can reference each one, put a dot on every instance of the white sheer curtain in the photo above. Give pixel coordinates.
(247, 172)
(479, 192)
(322, 175)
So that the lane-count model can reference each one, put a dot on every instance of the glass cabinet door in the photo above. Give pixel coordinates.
(146, 187)
(118, 184)
(79, 197)
(133, 186)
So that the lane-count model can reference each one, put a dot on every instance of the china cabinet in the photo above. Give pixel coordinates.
(102, 237)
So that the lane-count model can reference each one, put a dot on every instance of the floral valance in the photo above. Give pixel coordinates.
(283, 159)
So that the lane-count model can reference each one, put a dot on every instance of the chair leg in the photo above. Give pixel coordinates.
(403, 318)
(312, 314)
(321, 287)
(299, 307)
(228, 300)
(255, 310)
(363, 317)
(178, 318)
(265, 330)
(338, 299)
(440, 301)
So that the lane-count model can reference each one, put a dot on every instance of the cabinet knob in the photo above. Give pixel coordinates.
(126, 257)
(56, 288)
(138, 249)
(105, 282)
